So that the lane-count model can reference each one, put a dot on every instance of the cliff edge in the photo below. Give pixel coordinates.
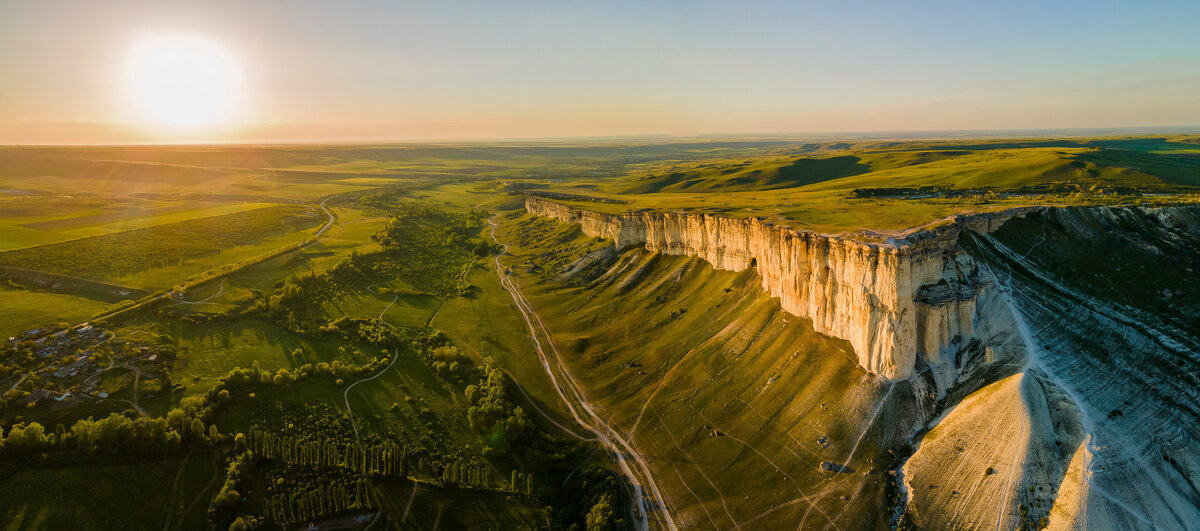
(896, 302)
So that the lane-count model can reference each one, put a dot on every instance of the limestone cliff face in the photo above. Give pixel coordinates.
(893, 301)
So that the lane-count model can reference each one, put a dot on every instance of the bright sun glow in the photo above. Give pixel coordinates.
(182, 82)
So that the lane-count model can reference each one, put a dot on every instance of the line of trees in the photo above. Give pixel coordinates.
(379, 459)
(253, 375)
(297, 506)
(521, 483)
(224, 505)
(116, 435)
(383, 459)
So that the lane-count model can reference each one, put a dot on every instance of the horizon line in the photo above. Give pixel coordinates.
(861, 135)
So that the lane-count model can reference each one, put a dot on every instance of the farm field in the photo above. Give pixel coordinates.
(20, 233)
(159, 256)
(456, 509)
(351, 232)
(169, 275)
(24, 309)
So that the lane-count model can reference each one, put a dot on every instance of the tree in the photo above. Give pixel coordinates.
(602, 517)
(198, 431)
(26, 439)
(246, 523)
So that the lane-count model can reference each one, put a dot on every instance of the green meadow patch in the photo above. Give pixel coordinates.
(122, 254)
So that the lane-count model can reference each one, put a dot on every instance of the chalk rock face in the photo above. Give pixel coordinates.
(895, 302)
(1099, 426)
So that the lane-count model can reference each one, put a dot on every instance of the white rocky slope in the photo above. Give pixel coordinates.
(1095, 296)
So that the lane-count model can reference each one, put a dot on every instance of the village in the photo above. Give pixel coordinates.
(63, 367)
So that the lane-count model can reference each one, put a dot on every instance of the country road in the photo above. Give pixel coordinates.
(622, 449)
(327, 223)
(167, 293)
(21, 379)
(395, 355)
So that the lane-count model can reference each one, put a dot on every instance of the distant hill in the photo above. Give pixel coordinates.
(1144, 164)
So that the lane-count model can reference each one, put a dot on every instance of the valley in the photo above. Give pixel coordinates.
(935, 334)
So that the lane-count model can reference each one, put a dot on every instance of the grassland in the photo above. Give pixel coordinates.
(902, 184)
(730, 394)
(125, 255)
(25, 232)
(735, 402)
(209, 350)
(141, 496)
(24, 309)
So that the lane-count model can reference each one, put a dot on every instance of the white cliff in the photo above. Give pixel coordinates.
(893, 301)
(1085, 412)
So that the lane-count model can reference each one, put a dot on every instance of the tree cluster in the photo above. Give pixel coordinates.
(115, 436)
(492, 411)
(382, 459)
(304, 505)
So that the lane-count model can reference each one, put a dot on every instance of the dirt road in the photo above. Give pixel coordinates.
(633, 466)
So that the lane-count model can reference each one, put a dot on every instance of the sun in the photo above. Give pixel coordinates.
(182, 82)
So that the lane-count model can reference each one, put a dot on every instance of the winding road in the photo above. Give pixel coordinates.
(346, 393)
(629, 459)
(395, 355)
(327, 223)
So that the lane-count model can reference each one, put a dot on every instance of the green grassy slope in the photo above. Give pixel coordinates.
(748, 175)
(727, 393)
(1000, 168)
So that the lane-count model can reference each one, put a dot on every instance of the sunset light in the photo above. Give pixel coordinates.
(182, 82)
(607, 266)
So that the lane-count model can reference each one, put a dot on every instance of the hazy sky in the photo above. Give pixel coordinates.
(343, 70)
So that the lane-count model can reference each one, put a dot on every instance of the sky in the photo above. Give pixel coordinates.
(406, 70)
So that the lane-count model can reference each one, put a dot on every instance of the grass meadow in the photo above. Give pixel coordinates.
(24, 309)
(717, 382)
(116, 497)
(212, 349)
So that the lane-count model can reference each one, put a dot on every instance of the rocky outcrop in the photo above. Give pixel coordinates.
(896, 302)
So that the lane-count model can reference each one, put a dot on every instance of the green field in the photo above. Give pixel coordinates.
(450, 509)
(23, 309)
(816, 189)
(117, 497)
(210, 350)
(124, 255)
(26, 232)
(734, 403)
